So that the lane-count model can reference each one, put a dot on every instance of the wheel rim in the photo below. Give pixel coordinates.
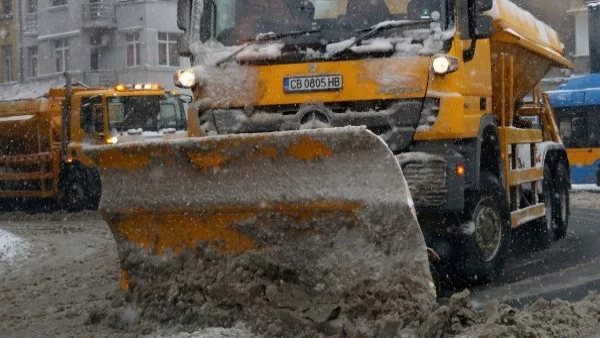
(488, 231)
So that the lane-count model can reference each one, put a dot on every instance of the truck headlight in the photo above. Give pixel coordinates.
(444, 64)
(185, 78)
(112, 140)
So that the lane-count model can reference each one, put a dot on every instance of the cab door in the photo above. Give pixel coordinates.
(87, 127)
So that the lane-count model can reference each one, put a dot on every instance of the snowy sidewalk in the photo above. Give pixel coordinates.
(12, 248)
(585, 187)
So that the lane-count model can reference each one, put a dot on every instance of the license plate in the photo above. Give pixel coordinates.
(318, 83)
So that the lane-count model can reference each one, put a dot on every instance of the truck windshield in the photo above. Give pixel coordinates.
(243, 20)
(145, 113)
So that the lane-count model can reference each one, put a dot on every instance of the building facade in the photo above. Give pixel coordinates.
(9, 41)
(101, 42)
(581, 49)
(570, 18)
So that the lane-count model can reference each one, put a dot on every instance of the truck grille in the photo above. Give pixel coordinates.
(426, 177)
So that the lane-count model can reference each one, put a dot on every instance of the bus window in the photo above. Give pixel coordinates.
(573, 127)
(579, 132)
(565, 129)
(594, 127)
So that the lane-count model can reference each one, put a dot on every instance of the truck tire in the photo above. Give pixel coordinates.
(542, 235)
(74, 196)
(94, 190)
(562, 201)
(485, 250)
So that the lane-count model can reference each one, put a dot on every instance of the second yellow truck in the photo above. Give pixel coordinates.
(41, 139)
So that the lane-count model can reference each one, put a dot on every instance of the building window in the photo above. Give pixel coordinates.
(61, 53)
(6, 7)
(167, 49)
(33, 61)
(94, 58)
(133, 49)
(32, 6)
(56, 3)
(7, 63)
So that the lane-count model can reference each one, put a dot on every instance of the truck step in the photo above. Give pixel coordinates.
(522, 216)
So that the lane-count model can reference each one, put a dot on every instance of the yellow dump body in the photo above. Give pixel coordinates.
(30, 147)
(523, 49)
(533, 46)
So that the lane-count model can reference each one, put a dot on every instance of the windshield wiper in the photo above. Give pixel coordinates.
(380, 27)
(264, 37)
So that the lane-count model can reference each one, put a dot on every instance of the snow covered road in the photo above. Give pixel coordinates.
(12, 248)
(63, 281)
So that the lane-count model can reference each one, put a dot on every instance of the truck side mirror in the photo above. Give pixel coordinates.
(304, 9)
(184, 17)
(208, 21)
(183, 46)
(481, 26)
(184, 10)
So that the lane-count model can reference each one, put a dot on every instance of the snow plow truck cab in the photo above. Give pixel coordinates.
(317, 134)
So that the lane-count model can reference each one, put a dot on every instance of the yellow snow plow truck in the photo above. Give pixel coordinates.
(310, 122)
(41, 139)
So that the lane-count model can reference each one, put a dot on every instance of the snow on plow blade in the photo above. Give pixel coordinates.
(325, 210)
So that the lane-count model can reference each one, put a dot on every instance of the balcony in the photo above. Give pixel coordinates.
(99, 15)
(30, 26)
(100, 78)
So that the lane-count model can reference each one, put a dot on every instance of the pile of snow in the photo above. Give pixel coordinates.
(260, 52)
(585, 187)
(12, 247)
(215, 332)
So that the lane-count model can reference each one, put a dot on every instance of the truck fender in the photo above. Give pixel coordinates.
(552, 153)
(488, 132)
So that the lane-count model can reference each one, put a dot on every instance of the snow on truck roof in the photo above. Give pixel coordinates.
(28, 90)
(527, 31)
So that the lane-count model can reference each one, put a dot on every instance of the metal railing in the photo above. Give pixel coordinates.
(102, 11)
(31, 23)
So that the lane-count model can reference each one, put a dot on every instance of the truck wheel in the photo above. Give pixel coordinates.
(486, 248)
(562, 201)
(543, 228)
(94, 190)
(74, 190)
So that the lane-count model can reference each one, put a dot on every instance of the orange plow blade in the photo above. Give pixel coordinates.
(247, 221)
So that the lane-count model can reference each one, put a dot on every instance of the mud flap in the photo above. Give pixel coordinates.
(321, 209)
